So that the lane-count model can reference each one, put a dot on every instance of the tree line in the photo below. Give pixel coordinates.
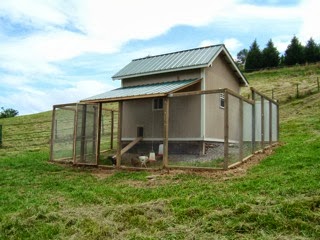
(255, 59)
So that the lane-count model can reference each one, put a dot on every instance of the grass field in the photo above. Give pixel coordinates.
(276, 199)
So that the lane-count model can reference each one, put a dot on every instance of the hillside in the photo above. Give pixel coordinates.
(276, 199)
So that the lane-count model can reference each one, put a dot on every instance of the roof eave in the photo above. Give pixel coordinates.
(244, 82)
(159, 72)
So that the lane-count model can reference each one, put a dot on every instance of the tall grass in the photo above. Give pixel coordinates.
(277, 199)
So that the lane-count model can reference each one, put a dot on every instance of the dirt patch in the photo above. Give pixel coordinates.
(167, 176)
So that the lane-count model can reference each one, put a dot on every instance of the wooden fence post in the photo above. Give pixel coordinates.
(226, 130)
(297, 94)
(262, 122)
(165, 132)
(119, 146)
(253, 143)
(241, 131)
(111, 130)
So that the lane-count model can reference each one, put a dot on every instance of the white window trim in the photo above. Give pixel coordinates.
(221, 98)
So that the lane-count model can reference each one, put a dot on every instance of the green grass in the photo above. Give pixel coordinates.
(277, 199)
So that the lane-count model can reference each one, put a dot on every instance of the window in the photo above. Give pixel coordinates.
(139, 131)
(221, 100)
(157, 104)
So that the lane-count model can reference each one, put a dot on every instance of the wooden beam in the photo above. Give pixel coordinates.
(98, 133)
(270, 123)
(262, 122)
(241, 130)
(183, 94)
(239, 96)
(226, 130)
(265, 96)
(165, 131)
(119, 99)
(130, 145)
(111, 130)
(118, 163)
(52, 132)
(253, 137)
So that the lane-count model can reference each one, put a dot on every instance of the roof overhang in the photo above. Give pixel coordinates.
(155, 90)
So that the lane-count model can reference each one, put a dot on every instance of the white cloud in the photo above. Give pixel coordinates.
(311, 18)
(27, 99)
(63, 30)
(232, 44)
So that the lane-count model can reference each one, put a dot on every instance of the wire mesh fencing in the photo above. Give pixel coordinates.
(213, 129)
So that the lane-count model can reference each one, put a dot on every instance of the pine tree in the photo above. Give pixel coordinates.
(270, 56)
(254, 57)
(312, 51)
(242, 56)
(294, 53)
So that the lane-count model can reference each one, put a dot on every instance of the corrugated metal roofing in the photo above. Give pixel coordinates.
(149, 89)
(188, 59)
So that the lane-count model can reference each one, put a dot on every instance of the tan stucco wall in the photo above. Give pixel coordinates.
(219, 75)
(184, 118)
(165, 77)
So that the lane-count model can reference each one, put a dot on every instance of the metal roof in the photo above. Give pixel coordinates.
(176, 61)
(143, 91)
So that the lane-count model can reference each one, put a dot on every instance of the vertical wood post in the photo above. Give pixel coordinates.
(52, 133)
(297, 90)
(119, 145)
(270, 123)
(83, 132)
(165, 131)
(241, 131)
(262, 122)
(278, 123)
(99, 118)
(75, 133)
(226, 130)
(111, 130)
(253, 136)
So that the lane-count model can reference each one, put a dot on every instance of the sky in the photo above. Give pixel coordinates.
(62, 51)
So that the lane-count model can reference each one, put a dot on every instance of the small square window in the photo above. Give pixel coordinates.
(157, 104)
(221, 100)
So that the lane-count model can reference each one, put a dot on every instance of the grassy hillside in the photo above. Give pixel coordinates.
(283, 81)
(277, 199)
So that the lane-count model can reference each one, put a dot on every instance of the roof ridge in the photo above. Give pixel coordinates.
(181, 51)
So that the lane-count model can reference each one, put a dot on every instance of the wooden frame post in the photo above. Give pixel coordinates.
(241, 130)
(99, 118)
(165, 131)
(262, 122)
(226, 130)
(270, 123)
(111, 130)
(253, 137)
(278, 122)
(119, 133)
(52, 133)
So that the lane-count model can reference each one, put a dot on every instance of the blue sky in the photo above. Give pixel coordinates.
(58, 51)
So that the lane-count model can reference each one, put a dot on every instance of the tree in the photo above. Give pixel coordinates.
(294, 53)
(9, 112)
(312, 51)
(254, 57)
(242, 56)
(270, 55)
